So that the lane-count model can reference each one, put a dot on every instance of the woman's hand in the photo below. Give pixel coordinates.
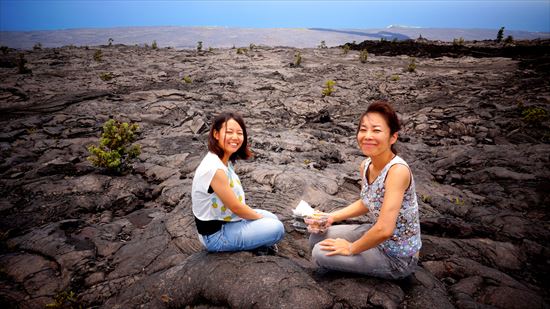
(319, 222)
(336, 246)
(330, 218)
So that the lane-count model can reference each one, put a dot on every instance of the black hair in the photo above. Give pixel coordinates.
(243, 152)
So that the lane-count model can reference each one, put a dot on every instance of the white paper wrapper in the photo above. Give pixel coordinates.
(303, 209)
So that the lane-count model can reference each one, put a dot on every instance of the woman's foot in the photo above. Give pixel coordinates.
(271, 250)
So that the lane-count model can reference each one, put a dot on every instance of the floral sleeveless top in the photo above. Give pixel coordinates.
(405, 240)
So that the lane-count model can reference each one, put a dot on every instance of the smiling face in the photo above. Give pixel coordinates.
(230, 138)
(374, 135)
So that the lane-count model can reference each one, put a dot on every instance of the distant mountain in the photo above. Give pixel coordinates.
(187, 37)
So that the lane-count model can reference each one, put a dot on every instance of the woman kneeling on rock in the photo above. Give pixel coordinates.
(389, 247)
(224, 221)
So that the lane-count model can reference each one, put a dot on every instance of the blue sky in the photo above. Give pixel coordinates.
(66, 14)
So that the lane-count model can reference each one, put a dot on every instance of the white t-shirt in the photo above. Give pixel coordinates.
(208, 206)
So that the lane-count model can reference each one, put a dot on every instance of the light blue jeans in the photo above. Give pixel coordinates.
(246, 234)
(372, 262)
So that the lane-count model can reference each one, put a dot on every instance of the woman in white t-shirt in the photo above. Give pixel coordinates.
(224, 221)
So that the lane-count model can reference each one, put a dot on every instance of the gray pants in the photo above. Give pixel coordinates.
(373, 262)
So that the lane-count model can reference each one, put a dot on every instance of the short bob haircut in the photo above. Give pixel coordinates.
(243, 152)
(388, 113)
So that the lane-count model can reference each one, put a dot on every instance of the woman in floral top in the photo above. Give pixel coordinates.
(389, 247)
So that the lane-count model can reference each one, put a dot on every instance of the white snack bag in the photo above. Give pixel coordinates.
(303, 209)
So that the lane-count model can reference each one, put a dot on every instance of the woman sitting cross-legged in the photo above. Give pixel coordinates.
(224, 221)
(387, 248)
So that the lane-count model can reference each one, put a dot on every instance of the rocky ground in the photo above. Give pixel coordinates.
(69, 232)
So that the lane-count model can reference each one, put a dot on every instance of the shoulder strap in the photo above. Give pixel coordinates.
(366, 164)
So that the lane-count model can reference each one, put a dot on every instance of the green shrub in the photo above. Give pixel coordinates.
(65, 300)
(458, 42)
(297, 59)
(363, 56)
(98, 55)
(509, 40)
(394, 78)
(329, 88)
(346, 48)
(21, 61)
(500, 34)
(241, 50)
(187, 79)
(426, 198)
(114, 152)
(199, 46)
(154, 45)
(534, 115)
(412, 65)
(106, 76)
(458, 201)
(4, 49)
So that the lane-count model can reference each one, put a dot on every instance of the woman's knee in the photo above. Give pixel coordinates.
(277, 228)
(334, 262)
(317, 255)
(320, 258)
(316, 238)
